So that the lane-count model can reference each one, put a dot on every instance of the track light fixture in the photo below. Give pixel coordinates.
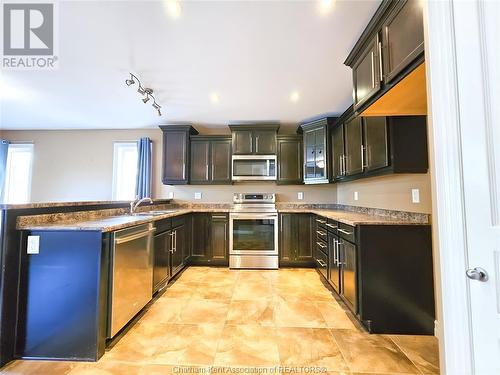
(146, 91)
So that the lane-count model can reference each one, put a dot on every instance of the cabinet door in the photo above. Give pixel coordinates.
(220, 161)
(264, 142)
(320, 152)
(200, 151)
(288, 237)
(242, 142)
(178, 250)
(337, 151)
(161, 270)
(376, 152)
(304, 251)
(310, 154)
(353, 146)
(188, 237)
(219, 237)
(403, 37)
(366, 73)
(199, 238)
(289, 161)
(349, 283)
(175, 145)
(333, 259)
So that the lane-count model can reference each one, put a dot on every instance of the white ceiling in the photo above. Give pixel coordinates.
(253, 54)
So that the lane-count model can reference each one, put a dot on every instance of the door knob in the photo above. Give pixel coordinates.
(477, 274)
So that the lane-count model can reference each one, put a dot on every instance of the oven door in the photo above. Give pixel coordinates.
(253, 234)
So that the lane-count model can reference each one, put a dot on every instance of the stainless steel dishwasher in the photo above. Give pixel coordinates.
(131, 274)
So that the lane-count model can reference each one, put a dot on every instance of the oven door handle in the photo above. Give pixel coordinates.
(253, 216)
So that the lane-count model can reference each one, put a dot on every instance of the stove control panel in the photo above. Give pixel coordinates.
(254, 198)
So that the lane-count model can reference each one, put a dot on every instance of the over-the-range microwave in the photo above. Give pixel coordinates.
(254, 168)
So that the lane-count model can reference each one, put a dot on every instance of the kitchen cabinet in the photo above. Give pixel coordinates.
(391, 47)
(210, 160)
(353, 146)
(402, 37)
(161, 254)
(188, 227)
(371, 146)
(254, 138)
(176, 153)
(295, 240)
(210, 239)
(289, 159)
(178, 237)
(315, 149)
(366, 73)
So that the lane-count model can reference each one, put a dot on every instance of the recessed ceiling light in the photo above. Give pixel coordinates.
(173, 8)
(214, 97)
(325, 6)
(294, 96)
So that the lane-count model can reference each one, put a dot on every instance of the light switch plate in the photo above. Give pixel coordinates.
(300, 195)
(33, 245)
(356, 196)
(197, 195)
(415, 195)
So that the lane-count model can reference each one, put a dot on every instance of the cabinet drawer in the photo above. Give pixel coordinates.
(332, 226)
(347, 232)
(178, 221)
(321, 260)
(322, 246)
(321, 234)
(321, 223)
(163, 225)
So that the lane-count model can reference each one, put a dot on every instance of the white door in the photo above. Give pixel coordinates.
(470, 308)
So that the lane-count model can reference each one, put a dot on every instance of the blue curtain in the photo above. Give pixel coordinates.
(144, 166)
(4, 148)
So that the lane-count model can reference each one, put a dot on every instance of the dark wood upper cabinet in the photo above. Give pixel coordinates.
(289, 159)
(366, 73)
(402, 37)
(176, 153)
(353, 146)
(316, 149)
(210, 160)
(254, 138)
(376, 147)
(338, 151)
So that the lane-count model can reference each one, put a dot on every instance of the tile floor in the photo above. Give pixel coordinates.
(248, 319)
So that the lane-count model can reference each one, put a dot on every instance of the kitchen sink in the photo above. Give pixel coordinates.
(154, 213)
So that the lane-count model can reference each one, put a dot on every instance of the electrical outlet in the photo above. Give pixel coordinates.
(415, 195)
(300, 195)
(170, 195)
(33, 245)
(356, 196)
(197, 195)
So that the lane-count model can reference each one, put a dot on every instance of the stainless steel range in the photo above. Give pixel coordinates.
(253, 228)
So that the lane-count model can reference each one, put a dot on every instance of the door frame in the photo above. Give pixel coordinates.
(445, 26)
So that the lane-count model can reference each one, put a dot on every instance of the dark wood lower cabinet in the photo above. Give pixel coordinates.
(177, 252)
(161, 255)
(295, 240)
(210, 239)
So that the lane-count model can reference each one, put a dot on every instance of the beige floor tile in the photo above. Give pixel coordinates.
(173, 344)
(248, 290)
(121, 368)
(308, 347)
(257, 311)
(215, 292)
(165, 310)
(247, 345)
(334, 315)
(199, 311)
(293, 312)
(372, 353)
(423, 351)
(38, 368)
(181, 289)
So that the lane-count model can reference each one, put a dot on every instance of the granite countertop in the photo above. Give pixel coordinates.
(357, 218)
(69, 204)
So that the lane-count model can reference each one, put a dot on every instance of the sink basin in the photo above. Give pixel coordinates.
(154, 213)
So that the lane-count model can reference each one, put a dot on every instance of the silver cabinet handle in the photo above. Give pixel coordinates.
(321, 233)
(206, 171)
(172, 242)
(363, 157)
(381, 78)
(331, 226)
(134, 236)
(344, 169)
(372, 56)
(345, 232)
(175, 241)
(320, 245)
(322, 264)
(477, 273)
(321, 221)
(335, 250)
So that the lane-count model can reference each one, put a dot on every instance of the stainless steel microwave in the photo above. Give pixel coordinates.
(254, 168)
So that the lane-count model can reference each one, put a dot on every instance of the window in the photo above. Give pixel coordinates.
(124, 170)
(18, 173)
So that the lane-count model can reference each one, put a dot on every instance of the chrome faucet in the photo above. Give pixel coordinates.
(137, 202)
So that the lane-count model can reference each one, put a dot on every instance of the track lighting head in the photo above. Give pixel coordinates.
(159, 112)
(148, 92)
(156, 105)
(141, 90)
(129, 81)
(146, 99)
